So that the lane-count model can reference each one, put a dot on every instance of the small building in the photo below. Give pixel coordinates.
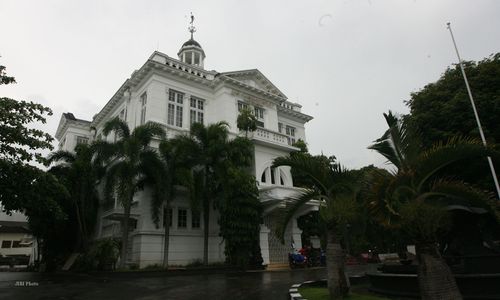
(176, 92)
(17, 245)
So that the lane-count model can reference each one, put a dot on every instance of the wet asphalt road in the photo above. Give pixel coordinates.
(232, 285)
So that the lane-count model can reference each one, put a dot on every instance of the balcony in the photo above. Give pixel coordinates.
(270, 138)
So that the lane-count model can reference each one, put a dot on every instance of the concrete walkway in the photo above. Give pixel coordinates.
(230, 285)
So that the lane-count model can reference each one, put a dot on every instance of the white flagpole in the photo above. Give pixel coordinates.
(490, 162)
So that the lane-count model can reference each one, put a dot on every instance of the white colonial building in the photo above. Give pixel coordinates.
(177, 92)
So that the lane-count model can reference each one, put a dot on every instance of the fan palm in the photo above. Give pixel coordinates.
(80, 175)
(332, 186)
(414, 198)
(129, 160)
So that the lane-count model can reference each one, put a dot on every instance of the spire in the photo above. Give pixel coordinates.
(191, 27)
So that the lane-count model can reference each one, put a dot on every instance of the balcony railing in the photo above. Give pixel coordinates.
(270, 137)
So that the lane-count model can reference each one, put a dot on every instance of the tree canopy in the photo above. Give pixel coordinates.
(19, 145)
(442, 110)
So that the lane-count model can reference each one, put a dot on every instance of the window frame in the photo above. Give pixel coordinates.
(196, 112)
(175, 108)
(144, 103)
(184, 220)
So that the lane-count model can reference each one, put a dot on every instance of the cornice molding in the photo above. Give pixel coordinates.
(295, 114)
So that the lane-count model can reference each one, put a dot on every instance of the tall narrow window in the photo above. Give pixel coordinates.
(195, 220)
(259, 114)
(123, 114)
(181, 218)
(280, 127)
(196, 113)
(175, 108)
(290, 132)
(144, 100)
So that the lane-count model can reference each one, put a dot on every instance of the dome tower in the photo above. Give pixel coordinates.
(191, 51)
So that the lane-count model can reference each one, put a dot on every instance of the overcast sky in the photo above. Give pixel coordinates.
(346, 62)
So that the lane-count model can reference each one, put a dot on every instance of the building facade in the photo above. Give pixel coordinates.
(176, 92)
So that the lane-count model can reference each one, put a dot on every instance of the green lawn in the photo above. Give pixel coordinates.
(319, 293)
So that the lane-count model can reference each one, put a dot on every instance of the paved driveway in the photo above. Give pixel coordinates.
(241, 285)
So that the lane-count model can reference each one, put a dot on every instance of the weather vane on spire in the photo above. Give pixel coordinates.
(191, 27)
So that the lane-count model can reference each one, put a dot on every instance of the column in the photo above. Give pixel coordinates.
(264, 243)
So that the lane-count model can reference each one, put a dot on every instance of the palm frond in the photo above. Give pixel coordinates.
(442, 155)
(313, 168)
(117, 125)
(457, 194)
(145, 133)
(293, 205)
(61, 155)
(381, 203)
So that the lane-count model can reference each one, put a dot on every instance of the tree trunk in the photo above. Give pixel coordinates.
(166, 242)
(434, 276)
(206, 221)
(125, 225)
(338, 282)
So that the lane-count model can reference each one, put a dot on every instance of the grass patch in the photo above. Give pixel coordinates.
(320, 293)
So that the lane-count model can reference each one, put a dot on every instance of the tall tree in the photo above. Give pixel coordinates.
(165, 175)
(80, 174)
(127, 160)
(333, 186)
(447, 99)
(239, 206)
(414, 197)
(246, 121)
(209, 150)
(19, 145)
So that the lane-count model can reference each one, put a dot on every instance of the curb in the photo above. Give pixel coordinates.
(294, 291)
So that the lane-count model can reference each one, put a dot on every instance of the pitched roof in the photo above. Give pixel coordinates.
(257, 75)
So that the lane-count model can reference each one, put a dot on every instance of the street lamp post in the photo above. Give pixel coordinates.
(490, 161)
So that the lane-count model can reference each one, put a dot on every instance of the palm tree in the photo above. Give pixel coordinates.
(129, 160)
(415, 198)
(171, 170)
(332, 185)
(209, 152)
(80, 175)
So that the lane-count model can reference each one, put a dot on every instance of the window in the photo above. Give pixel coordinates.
(196, 110)
(175, 108)
(170, 213)
(259, 114)
(188, 57)
(242, 105)
(15, 244)
(280, 127)
(144, 100)
(195, 220)
(181, 218)
(6, 244)
(82, 140)
(197, 58)
(290, 132)
(123, 114)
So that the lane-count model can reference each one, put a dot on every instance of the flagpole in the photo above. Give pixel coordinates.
(490, 161)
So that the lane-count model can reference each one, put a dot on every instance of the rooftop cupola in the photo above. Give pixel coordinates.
(191, 51)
